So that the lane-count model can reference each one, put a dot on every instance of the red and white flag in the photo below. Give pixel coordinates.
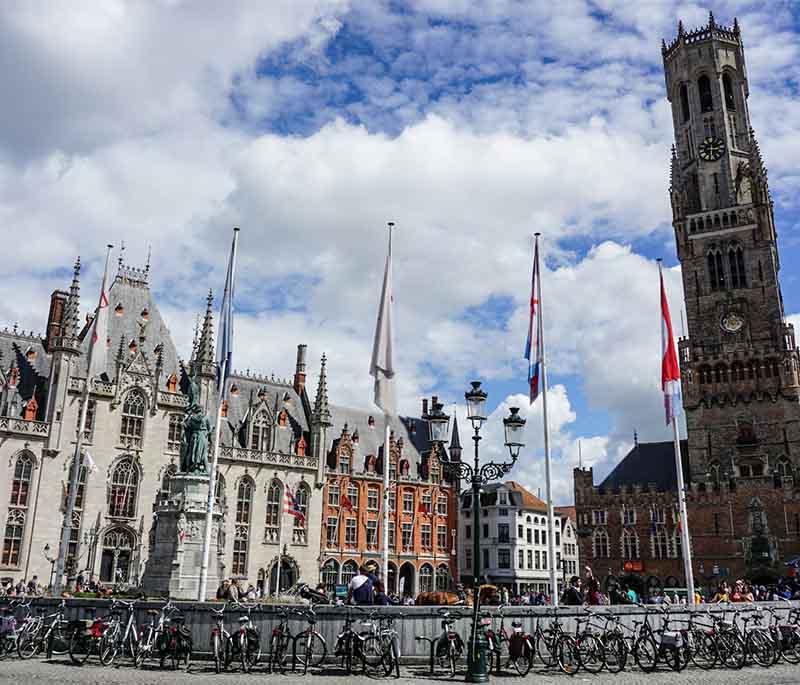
(97, 355)
(292, 507)
(670, 371)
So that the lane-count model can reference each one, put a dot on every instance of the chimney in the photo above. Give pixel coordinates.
(424, 406)
(300, 370)
(55, 319)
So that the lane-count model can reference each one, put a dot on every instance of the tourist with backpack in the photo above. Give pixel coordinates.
(361, 589)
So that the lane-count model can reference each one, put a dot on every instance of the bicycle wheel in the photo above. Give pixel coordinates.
(524, 660)
(703, 650)
(28, 644)
(80, 647)
(546, 648)
(591, 652)
(309, 649)
(731, 649)
(59, 638)
(216, 653)
(615, 652)
(760, 648)
(790, 646)
(645, 653)
(109, 646)
(249, 651)
(452, 656)
(567, 655)
(372, 648)
(671, 656)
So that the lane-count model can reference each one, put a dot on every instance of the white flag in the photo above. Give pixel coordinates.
(89, 463)
(382, 367)
(97, 343)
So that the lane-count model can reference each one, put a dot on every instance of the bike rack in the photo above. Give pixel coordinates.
(432, 643)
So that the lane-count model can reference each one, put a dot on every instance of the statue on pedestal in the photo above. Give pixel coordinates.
(196, 431)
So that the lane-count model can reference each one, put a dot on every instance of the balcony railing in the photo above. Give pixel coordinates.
(22, 427)
(240, 454)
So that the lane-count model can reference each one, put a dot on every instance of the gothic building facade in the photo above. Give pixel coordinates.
(739, 362)
(270, 441)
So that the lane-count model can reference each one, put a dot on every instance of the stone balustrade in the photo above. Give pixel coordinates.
(17, 426)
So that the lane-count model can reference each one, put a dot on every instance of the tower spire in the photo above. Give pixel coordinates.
(70, 329)
(455, 441)
(204, 356)
(322, 412)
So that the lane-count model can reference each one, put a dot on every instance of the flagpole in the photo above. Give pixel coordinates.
(551, 542)
(76, 462)
(212, 479)
(386, 461)
(684, 519)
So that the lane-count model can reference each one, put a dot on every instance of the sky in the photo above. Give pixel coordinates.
(311, 124)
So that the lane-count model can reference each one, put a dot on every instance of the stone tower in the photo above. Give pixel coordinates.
(739, 362)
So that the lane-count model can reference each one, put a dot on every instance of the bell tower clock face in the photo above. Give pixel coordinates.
(711, 149)
(732, 322)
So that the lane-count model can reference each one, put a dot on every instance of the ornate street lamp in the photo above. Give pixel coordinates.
(478, 475)
(52, 562)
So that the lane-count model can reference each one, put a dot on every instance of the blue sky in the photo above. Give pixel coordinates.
(311, 124)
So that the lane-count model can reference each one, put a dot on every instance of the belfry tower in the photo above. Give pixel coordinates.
(739, 363)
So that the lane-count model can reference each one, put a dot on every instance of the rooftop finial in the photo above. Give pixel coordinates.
(635, 438)
(735, 26)
(680, 27)
(121, 257)
(147, 263)
(711, 22)
(322, 413)
(205, 344)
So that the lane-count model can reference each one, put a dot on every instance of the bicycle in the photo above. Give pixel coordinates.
(115, 637)
(279, 643)
(309, 648)
(220, 640)
(178, 643)
(381, 647)
(37, 634)
(85, 639)
(554, 646)
(8, 629)
(590, 647)
(786, 636)
(350, 644)
(246, 643)
(166, 640)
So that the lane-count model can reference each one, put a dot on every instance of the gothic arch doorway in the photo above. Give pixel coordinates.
(288, 576)
(406, 580)
(391, 584)
(115, 560)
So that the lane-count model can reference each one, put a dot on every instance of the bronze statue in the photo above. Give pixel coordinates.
(196, 431)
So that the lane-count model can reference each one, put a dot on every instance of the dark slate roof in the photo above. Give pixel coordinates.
(15, 345)
(649, 462)
(134, 297)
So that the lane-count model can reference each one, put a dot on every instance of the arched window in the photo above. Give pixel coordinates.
(241, 536)
(784, 467)
(21, 485)
(349, 569)
(716, 271)
(123, 491)
(684, 94)
(273, 518)
(219, 490)
(259, 432)
(115, 561)
(675, 547)
(630, 544)
(302, 496)
(345, 461)
(600, 544)
(442, 577)
(133, 409)
(352, 495)
(330, 575)
(736, 263)
(660, 543)
(714, 473)
(426, 578)
(727, 86)
(89, 425)
(12, 539)
(704, 90)
(174, 433)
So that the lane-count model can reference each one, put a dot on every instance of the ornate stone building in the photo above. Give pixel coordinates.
(422, 502)
(133, 435)
(739, 363)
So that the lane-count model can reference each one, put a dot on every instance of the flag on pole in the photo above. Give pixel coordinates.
(382, 366)
(346, 503)
(533, 346)
(670, 371)
(291, 506)
(97, 364)
(89, 463)
(225, 337)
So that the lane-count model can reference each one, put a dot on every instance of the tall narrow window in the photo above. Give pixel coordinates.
(630, 544)
(259, 432)
(332, 531)
(599, 544)
(123, 491)
(442, 577)
(21, 485)
(716, 270)
(660, 543)
(174, 433)
(132, 428)
(89, 425)
(241, 537)
(736, 264)
(273, 517)
(727, 86)
(684, 103)
(18, 503)
(302, 495)
(704, 90)
(426, 578)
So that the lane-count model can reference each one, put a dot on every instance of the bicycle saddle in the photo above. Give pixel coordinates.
(152, 612)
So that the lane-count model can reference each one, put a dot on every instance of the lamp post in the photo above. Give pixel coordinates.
(52, 562)
(478, 475)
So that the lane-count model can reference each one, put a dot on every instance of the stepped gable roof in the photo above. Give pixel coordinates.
(649, 462)
(128, 299)
(413, 431)
(26, 351)
(525, 499)
(277, 394)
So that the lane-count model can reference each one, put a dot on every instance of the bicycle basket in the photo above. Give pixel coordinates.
(671, 639)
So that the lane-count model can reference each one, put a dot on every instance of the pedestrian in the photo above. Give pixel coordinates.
(251, 592)
(222, 589)
(572, 595)
(380, 597)
(361, 588)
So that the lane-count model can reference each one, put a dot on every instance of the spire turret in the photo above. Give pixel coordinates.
(204, 355)
(322, 412)
(455, 441)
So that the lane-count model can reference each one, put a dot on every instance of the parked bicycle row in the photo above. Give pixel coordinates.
(728, 636)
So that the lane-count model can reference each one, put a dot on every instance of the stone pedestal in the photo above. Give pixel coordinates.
(173, 567)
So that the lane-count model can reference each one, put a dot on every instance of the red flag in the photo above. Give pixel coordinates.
(422, 508)
(346, 503)
(670, 371)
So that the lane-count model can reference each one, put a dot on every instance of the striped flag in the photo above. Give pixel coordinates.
(97, 356)
(670, 371)
(533, 346)
(225, 337)
(291, 507)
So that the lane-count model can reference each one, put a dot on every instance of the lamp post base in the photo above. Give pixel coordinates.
(477, 665)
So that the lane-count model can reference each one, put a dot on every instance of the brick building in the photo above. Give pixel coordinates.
(739, 362)
(422, 503)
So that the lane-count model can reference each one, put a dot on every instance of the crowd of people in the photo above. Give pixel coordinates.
(22, 588)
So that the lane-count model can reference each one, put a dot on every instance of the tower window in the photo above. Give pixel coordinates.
(727, 86)
(704, 90)
(684, 102)
(736, 263)
(716, 186)
(710, 127)
(716, 272)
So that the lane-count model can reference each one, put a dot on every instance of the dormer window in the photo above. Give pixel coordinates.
(259, 432)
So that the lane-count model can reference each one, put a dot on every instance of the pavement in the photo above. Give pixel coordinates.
(64, 673)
